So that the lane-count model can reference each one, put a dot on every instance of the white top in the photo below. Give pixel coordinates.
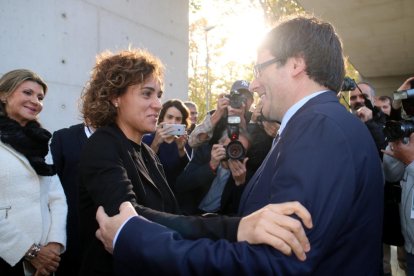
(32, 208)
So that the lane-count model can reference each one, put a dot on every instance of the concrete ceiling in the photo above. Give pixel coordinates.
(377, 35)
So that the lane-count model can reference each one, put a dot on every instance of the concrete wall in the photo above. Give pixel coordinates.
(59, 40)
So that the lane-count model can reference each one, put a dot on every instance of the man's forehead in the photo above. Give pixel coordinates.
(264, 54)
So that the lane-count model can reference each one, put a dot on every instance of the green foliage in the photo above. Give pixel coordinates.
(275, 9)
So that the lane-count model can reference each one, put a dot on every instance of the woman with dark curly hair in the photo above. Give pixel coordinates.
(173, 150)
(122, 100)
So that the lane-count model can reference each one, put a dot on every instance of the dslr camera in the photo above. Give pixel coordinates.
(348, 84)
(401, 130)
(236, 99)
(235, 149)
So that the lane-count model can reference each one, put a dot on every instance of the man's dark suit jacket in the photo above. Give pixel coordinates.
(109, 175)
(325, 159)
(66, 147)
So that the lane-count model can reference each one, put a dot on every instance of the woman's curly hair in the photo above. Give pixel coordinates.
(110, 78)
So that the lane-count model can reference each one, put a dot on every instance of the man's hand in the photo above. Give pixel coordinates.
(401, 151)
(272, 225)
(238, 170)
(396, 104)
(364, 113)
(108, 226)
(221, 110)
(218, 153)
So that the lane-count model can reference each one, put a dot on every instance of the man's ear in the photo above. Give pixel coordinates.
(298, 65)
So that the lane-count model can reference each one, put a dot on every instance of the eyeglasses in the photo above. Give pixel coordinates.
(258, 68)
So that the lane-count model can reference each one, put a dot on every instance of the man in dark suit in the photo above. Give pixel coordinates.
(66, 147)
(323, 157)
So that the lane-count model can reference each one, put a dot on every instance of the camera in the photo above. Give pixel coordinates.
(235, 149)
(236, 99)
(396, 130)
(348, 84)
(175, 129)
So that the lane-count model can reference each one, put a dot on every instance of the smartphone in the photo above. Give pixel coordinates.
(175, 129)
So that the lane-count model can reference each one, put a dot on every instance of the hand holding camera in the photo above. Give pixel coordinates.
(238, 170)
(401, 150)
(218, 153)
(402, 129)
(166, 132)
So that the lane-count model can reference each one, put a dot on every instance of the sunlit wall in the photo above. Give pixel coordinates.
(59, 39)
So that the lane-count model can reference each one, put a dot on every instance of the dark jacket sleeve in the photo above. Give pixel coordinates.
(101, 167)
(376, 129)
(167, 253)
(195, 227)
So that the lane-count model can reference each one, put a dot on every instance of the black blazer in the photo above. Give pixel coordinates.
(66, 147)
(109, 176)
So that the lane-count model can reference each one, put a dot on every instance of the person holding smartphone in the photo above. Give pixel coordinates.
(169, 141)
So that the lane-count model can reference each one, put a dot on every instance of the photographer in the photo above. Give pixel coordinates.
(241, 98)
(361, 100)
(172, 150)
(399, 166)
(221, 172)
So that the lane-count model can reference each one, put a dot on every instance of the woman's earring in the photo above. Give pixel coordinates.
(116, 105)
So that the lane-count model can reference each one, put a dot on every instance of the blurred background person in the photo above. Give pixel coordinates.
(32, 202)
(236, 103)
(172, 150)
(219, 179)
(392, 197)
(362, 103)
(399, 166)
(192, 107)
(384, 103)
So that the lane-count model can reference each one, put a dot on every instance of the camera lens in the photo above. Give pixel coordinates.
(235, 150)
(395, 130)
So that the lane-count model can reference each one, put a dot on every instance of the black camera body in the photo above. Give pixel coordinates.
(348, 84)
(402, 129)
(397, 130)
(236, 99)
(235, 149)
